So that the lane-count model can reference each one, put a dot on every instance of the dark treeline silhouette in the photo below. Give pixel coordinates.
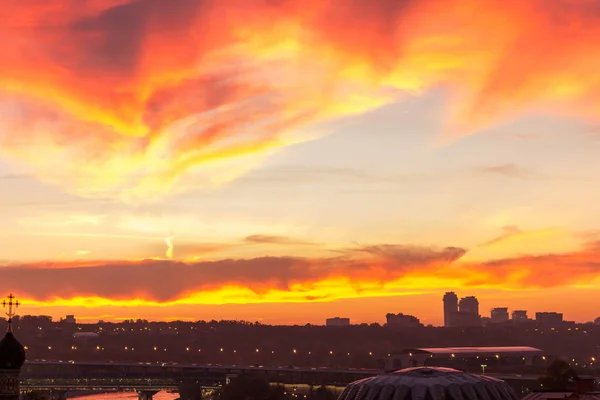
(246, 344)
(559, 376)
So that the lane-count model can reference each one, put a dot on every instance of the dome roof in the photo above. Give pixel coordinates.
(429, 383)
(12, 353)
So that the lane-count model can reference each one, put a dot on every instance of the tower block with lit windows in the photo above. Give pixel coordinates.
(12, 355)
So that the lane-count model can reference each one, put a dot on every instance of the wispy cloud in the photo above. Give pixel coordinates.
(509, 231)
(302, 174)
(50, 220)
(512, 232)
(272, 239)
(509, 170)
(7, 177)
(516, 171)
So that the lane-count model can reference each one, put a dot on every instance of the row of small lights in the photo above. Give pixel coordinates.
(140, 329)
(194, 328)
(155, 348)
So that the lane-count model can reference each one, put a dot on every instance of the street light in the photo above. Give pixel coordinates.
(483, 368)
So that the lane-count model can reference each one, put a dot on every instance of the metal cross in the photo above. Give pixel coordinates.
(12, 302)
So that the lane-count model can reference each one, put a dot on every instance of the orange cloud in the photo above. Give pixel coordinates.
(375, 271)
(123, 97)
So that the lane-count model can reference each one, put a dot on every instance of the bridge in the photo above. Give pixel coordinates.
(188, 379)
(149, 378)
(209, 374)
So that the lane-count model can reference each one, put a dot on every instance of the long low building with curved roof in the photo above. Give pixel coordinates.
(463, 356)
(476, 351)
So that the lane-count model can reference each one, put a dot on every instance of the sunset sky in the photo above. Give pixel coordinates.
(287, 161)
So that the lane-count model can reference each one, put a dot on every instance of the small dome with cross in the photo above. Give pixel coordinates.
(12, 352)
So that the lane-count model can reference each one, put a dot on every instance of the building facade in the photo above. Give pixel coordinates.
(463, 313)
(70, 319)
(337, 321)
(519, 316)
(499, 315)
(402, 321)
(469, 305)
(549, 319)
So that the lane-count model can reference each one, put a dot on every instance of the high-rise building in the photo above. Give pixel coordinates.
(463, 313)
(450, 308)
(519, 316)
(466, 319)
(499, 315)
(469, 305)
(337, 321)
(549, 319)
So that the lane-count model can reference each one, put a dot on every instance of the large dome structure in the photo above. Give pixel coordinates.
(429, 383)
